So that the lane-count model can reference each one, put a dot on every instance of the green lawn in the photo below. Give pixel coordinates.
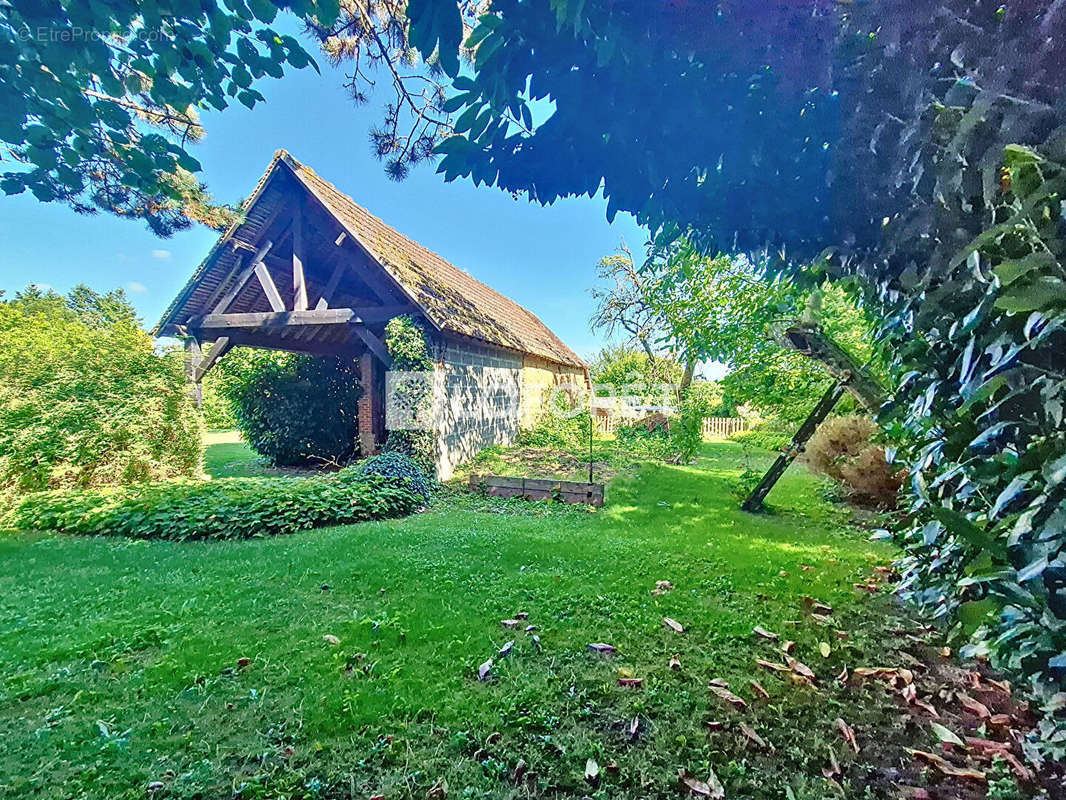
(119, 659)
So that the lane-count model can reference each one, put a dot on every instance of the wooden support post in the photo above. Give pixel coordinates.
(269, 289)
(299, 283)
(755, 500)
(193, 358)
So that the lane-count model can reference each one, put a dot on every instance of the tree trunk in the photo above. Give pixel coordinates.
(810, 340)
(686, 377)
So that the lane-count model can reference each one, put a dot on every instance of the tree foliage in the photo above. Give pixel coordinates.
(99, 101)
(86, 401)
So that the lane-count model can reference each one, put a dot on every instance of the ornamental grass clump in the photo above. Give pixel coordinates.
(228, 508)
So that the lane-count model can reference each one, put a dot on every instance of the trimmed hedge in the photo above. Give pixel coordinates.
(228, 508)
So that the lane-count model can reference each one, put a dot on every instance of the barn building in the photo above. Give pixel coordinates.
(310, 271)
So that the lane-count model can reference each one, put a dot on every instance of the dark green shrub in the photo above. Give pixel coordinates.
(228, 508)
(85, 400)
(298, 410)
(398, 465)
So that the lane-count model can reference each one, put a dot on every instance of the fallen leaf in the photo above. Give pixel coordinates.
(509, 623)
(806, 567)
(944, 734)
(612, 767)
(822, 619)
(825, 649)
(662, 587)
(1003, 686)
(800, 668)
(438, 792)
(787, 646)
(377, 797)
(945, 767)
(719, 682)
(757, 687)
(592, 772)
(530, 628)
(711, 788)
(331, 639)
(765, 634)
(603, 649)
(519, 770)
(833, 770)
(715, 725)
(484, 669)
(673, 624)
(536, 641)
(243, 661)
(975, 707)
(634, 683)
(754, 737)
(505, 649)
(817, 606)
(866, 587)
(634, 728)
(522, 615)
(945, 652)
(675, 662)
(738, 703)
(772, 666)
(843, 676)
(847, 732)
(842, 635)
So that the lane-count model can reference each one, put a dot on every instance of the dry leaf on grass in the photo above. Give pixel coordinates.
(522, 615)
(509, 623)
(719, 682)
(634, 728)
(761, 632)
(800, 668)
(833, 770)
(673, 624)
(484, 670)
(711, 788)
(817, 607)
(843, 676)
(675, 662)
(662, 587)
(770, 665)
(754, 737)
(519, 770)
(945, 767)
(592, 772)
(438, 792)
(715, 725)
(505, 649)
(633, 683)
(331, 639)
(603, 649)
(787, 646)
(757, 688)
(847, 732)
(825, 649)
(737, 702)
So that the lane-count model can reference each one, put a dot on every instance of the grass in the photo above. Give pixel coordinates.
(121, 660)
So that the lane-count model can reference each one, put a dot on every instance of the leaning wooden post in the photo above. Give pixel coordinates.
(755, 500)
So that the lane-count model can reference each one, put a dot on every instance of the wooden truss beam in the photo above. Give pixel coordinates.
(373, 344)
(271, 320)
(299, 282)
(269, 289)
(221, 346)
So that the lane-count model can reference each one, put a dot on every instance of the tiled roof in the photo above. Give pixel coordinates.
(453, 300)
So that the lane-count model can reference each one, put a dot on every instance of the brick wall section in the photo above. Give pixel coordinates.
(478, 398)
(367, 366)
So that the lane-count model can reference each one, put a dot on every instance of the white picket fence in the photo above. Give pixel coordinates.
(713, 427)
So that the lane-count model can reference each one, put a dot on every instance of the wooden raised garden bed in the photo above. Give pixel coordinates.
(538, 489)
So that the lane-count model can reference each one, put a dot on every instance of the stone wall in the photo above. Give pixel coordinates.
(477, 396)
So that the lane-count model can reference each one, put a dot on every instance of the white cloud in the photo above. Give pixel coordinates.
(136, 287)
(162, 255)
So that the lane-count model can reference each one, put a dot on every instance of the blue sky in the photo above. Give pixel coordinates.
(544, 258)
